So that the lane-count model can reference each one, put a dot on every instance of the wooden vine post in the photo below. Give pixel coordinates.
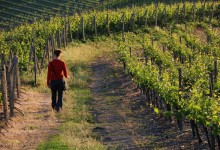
(164, 49)
(107, 24)
(10, 83)
(193, 12)
(53, 45)
(203, 12)
(83, 29)
(4, 92)
(13, 86)
(123, 26)
(177, 14)
(184, 12)
(35, 66)
(8, 78)
(66, 31)
(63, 39)
(215, 79)
(11, 41)
(156, 15)
(58, 39)
(18, 81)
(164, 15)
(16, 75)
(211, 82)
(95, 25)
(132, 20)
(215, 70)
(44, 54)
(152, 42)
(48, 50)
(179, 116)
(212, 13)
(181, 57)
(69, 29)
(145, 21)
(171, 32)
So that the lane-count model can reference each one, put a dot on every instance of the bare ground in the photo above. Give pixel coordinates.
(36, 125)
(124, 120)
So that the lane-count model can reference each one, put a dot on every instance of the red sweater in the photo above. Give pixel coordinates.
(59, 68)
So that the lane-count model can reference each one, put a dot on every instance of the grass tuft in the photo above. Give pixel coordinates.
(53, 143)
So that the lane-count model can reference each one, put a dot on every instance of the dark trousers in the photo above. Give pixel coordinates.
(56, 87)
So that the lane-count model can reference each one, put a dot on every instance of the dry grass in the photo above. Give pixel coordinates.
(38, 122)
(28, 82)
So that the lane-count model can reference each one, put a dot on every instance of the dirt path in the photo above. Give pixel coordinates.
(123, 119)
(37, 124)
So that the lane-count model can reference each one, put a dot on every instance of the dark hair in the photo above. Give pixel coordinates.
(57, 52)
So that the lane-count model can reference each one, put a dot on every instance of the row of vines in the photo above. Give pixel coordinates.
(178, 72)
(17, 12)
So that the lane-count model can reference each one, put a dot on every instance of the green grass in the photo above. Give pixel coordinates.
(76, 130)
(53, 143)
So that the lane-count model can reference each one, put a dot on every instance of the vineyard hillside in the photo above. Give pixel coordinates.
(143, 74)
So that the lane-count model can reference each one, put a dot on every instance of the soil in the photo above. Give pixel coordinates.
(201, 35)
(125, 120)
(36, 125)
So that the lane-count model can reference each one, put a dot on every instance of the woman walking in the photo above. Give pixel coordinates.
(56, 71)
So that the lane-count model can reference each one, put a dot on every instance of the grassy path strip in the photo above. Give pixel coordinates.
(77, 121)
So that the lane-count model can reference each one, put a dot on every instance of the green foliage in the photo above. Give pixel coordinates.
(159, 72)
